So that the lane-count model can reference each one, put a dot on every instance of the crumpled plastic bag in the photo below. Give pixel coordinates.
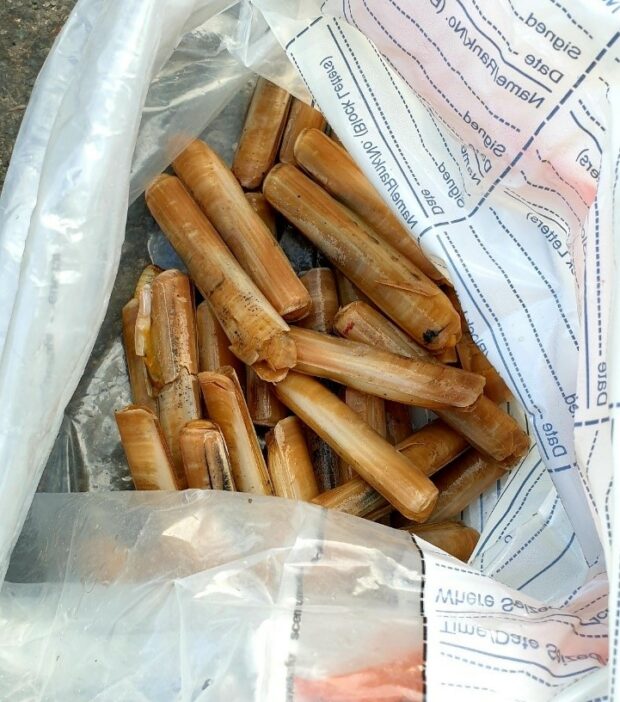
(424, 97)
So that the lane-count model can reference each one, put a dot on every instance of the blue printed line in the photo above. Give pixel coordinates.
(540, 442)
(589, 604)
(607, 509)
(550, 565)
(514, 12)
(571, 18)
(591, 452)
(400, 95)
(445, 143)
(606, 86)
(514, 68)
(532, 538)
(541, 275)
(561, 469)
(592, 422)
(303, 31)
(448, 64)
(372, 116)
(587, 131)
(570, 185)
(527, 144)
(526, 621)
(613, 192)
(467, 687)
(404, 103)
(526, 310)
(518, 509)
(490, 327)
(597, 262)
(497, 29)
(564, 226)
(521, 662)
(590, 115)
(546, 188)
(463, 571)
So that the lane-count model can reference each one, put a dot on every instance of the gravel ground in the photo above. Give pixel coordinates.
(27, 30)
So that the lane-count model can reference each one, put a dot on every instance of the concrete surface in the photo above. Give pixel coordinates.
(27, 31)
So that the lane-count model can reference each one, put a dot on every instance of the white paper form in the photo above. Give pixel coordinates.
(484, 138)
(491, 643)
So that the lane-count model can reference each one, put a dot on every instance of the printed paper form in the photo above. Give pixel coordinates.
(499, 142)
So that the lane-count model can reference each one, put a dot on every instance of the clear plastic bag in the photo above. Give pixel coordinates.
(505, 224)
(206, 596)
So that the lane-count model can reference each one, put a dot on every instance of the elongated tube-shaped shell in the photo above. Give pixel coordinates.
(355, 496)
(261, 134)
(141, 391)
(381, 515)
(450, 356)
(489, 429)
(372, 410)
(265, 408)
(264, 210)
(300, 117)
(347, 292)
(461, 482)
(433, 446)
(321, 285)
(332, 167)
(430, 449)
(227, 408)
(218, 461)
(142, 334)
(148, 275)
(390, 473)
(148, 457)
(324, 459)
(384, 374)
(391, 281)
(289, 462)
(452, 537)
(171, 357)
(358, 320)
(369, 407)
(221, 198)
(191, 441)
(398, 422)
(205, 456)
(483, 424)
(258, 335)
(179, 403)
(472, 359)
(213, 344)
(173, 326)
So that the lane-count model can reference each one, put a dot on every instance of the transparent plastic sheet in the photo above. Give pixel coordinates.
(206, 596)
(528, 539)
(195, 596)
